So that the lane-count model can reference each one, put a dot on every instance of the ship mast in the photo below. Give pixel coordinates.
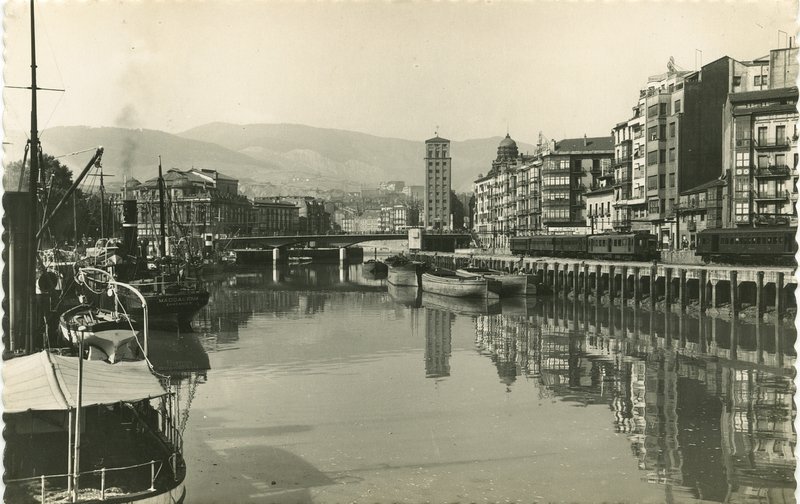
(33, 189)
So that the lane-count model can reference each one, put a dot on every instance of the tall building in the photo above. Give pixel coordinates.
(761, 140)
(503, 199)
(437, 184)
(570, 168)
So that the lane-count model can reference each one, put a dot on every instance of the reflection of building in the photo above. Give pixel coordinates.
(438, 327)
(700, 419)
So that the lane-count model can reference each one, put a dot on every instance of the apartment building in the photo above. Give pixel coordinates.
(761, 140)
(437, 183)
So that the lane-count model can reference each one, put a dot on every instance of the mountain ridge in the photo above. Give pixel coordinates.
(291, 157)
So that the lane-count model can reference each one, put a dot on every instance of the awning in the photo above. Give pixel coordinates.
(45, 381)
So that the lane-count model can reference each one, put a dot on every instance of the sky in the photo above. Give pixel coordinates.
(396, 69)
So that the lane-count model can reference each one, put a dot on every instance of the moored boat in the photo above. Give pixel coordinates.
(375, 267)
(447, 283)
(405, 273)
(510, 284)
(107, 335)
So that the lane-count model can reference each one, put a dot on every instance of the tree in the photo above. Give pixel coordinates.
(57, 181)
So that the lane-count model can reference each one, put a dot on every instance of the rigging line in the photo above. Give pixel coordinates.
(75, 153)
(50, 118)
(43, 28)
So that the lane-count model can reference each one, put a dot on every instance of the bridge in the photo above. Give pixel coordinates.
(438, 241)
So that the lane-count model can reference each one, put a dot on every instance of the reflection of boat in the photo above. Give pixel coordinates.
(127, 446)
(510, 285)
(447, 283)
(518, 306)
(405, 273)
(464, 306)
(300, 260)
(109, 335)
(405, 295)
(374, 266)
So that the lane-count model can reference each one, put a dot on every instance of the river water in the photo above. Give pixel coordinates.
(328, 387)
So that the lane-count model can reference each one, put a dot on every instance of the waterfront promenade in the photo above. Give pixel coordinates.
(766, 289)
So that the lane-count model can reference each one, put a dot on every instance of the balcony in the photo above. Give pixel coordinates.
(765, 143)
(772, 171)
(771, 219)
(772, 196)
(623, 161)
(621, 224)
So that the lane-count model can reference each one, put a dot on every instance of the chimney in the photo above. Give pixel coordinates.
(585, 143)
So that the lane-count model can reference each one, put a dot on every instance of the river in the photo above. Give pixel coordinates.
(328, 387)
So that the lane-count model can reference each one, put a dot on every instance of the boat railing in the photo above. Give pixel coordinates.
(95, 484)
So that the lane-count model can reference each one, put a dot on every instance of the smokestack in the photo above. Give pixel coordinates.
(129, 227)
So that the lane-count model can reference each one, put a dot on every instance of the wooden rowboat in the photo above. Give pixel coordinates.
(510, 284)
(447, 283)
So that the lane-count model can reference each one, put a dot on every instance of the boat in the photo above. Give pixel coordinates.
(374, 267)
(405, 273)
(510, 284)
(447, 283)
(108, 335)
(460, 305)
(128, 447)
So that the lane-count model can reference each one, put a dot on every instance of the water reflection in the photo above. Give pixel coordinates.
(706, 404)
(702, 407)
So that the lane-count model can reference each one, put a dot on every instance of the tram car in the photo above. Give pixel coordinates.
(640, 246)
(765, 245)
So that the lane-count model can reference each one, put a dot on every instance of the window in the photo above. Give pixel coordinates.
(662, 156)
(662, 181)
(662, 109)
(652, 182)
(762, 135)
(652, 110)
(652, 157)
(757, 80)
(737, 80)
(780, 159)
(652, 133)
(763, 161)
(780, 134)
(672, 130)
(672, 154)
(677, 107)
(662, 132)
(672, 180)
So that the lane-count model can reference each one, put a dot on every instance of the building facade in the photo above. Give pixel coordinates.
(761, 138)
(273, 216)
(571, 168)
(436, 211)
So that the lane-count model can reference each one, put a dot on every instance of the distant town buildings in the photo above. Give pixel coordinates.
(436, 214)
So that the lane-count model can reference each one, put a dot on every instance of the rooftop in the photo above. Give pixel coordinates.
(437, 139)
(585, 145)
(703, 187)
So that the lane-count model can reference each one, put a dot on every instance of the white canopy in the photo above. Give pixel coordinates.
(45, 381)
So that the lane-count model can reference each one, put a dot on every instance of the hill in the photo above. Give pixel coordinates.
(266, 158)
